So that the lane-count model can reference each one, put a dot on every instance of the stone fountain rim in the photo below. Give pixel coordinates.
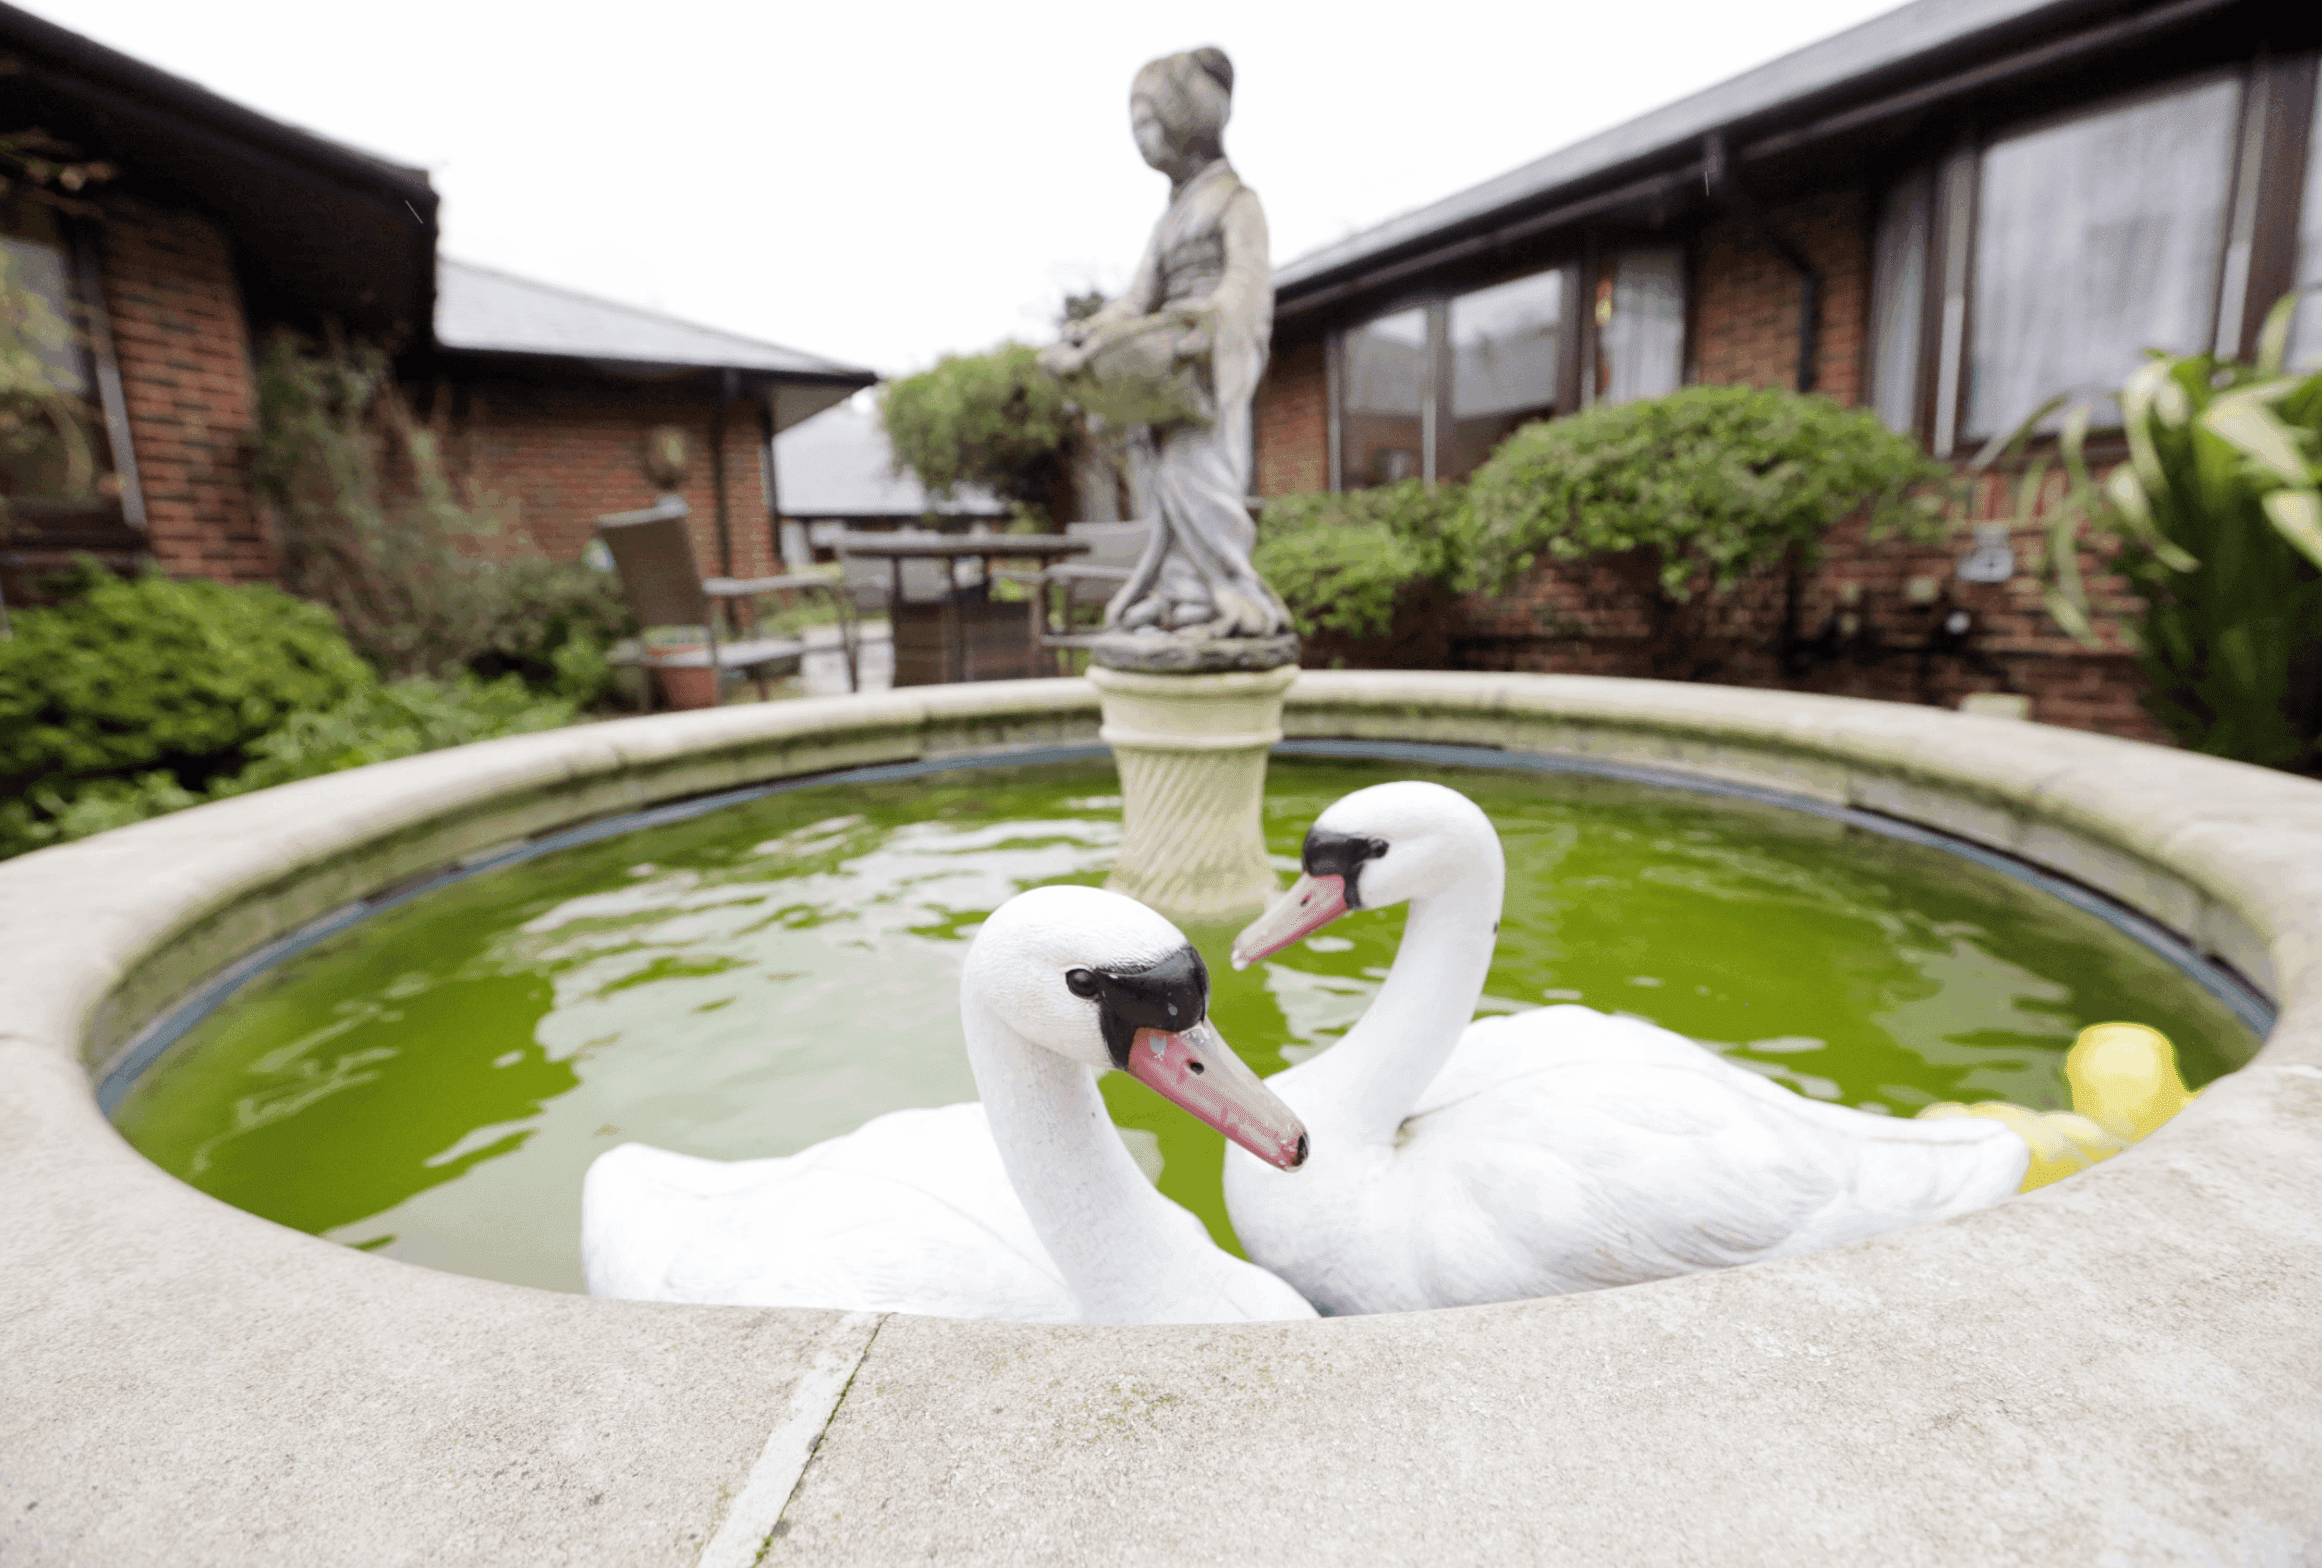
(143, 1314)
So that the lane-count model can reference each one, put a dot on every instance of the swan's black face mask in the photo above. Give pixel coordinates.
(1341, 855)
(1156, 1027)
(1172, 995)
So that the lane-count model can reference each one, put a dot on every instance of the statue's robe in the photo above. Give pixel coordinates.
(1209, 251)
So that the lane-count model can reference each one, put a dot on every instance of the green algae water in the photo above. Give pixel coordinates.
(432, 1082)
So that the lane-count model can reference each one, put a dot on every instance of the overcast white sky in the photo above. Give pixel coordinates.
(886, 182)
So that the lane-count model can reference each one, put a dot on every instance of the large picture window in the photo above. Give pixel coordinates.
(2043, 261)
(2095, 239)
(1505, 347)
(2306, 330)
(1640, 325)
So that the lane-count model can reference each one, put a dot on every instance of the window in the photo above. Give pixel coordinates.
(2306, 331)
(57, 455)
(1504, 365)
(1384, 384)
(1640, 325)
(2044, 261)
(1429, 391)
(2096, 239)
(1899, 298)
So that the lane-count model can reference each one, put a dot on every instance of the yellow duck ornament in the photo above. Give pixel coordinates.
(2124, 1084)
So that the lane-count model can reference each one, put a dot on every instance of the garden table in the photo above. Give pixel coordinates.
(963, 634)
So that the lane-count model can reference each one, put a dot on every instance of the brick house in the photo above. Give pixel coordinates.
(221, 223)
(1945, 214)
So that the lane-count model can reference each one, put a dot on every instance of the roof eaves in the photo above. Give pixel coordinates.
(151, 87)
(1794, 86)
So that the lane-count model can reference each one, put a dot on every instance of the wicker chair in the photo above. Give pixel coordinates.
(653, 552)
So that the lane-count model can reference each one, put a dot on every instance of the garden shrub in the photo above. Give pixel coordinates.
(147, 675)
(551, 624)
(1346, 563)
(399, 719)
(1713, 483)
(996, 420)
(147, 696)
(1690, 493)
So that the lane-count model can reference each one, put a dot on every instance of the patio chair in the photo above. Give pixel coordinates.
(652, 551)
(1086, 583)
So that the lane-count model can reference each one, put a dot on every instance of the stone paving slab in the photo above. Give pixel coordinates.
(2124, 1368)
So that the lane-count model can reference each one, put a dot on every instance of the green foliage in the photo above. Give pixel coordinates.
(151, 674)
(400, 719)
(1710, 483)
(370, 523)
(402, 567)
(551, 624)
(145, 697)
(996, 420)
(2216, 521)
(1343, 563)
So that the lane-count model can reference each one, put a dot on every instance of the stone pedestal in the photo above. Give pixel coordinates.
(1192, 754)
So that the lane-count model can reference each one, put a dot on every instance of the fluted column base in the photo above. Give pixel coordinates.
(1191, 750)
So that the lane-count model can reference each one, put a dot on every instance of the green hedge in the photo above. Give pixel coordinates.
(155, 675)
(1714, 482)
(146, 696)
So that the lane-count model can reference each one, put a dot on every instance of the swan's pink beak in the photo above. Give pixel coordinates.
(1198, 1072)
(1310, 904)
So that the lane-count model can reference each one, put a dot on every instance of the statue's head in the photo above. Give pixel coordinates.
(1178, 107)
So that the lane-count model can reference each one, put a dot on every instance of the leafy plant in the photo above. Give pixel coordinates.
(551, 624)
(2215, 519)
(152, 673)
(996, 420)
(404, 572)
(152, 686)
(399, 719)
(1346, 563)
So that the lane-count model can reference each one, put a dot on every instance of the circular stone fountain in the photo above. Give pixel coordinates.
(2124, 1367)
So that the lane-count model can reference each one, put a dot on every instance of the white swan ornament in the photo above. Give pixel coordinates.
(1552, 1150)
(1026, 1205)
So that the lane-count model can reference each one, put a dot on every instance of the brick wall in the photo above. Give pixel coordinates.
(1745, 298)
(1871, 615)
(551, 456)
(181, 339)
(1294, 423)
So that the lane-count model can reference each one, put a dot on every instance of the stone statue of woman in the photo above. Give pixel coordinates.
(1177, 358)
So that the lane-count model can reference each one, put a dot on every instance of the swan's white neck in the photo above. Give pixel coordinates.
(1105, 1227)
(1362, 1088)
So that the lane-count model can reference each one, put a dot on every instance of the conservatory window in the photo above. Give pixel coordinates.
(2095, 239)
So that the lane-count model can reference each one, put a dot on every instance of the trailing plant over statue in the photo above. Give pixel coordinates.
(2215, 519)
